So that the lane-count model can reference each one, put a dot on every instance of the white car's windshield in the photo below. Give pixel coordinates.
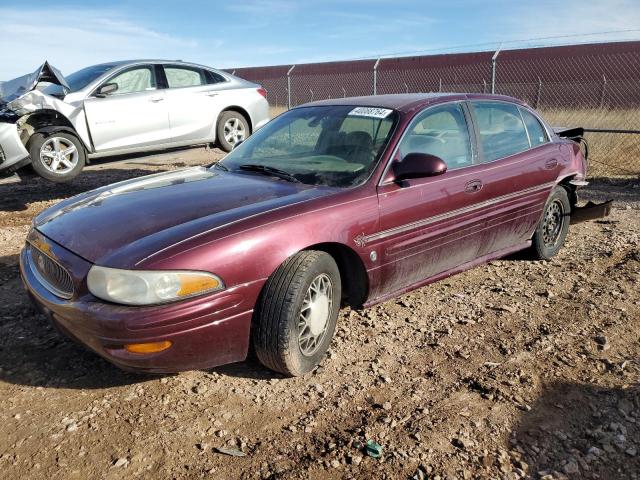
(80, 79)
(322, 145)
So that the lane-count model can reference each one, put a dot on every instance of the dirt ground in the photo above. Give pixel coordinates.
(515, 369)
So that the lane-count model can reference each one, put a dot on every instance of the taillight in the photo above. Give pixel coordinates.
(262, 92)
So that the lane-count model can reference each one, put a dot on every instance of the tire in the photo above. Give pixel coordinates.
(553, 226)
(60, 169)
(281, 337)
(232, 128)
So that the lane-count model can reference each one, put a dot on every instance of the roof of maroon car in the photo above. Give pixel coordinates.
(408, 101)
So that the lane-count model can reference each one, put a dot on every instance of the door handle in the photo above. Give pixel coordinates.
(211, 94)
(156, 99)
(473, 186)
(551, 163)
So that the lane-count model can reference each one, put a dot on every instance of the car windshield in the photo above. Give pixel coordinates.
(80, 79)
(324, 145)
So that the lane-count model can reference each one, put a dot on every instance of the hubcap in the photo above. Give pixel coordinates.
(58, 155)
(317, 306)
(234, 131)
(553, 223)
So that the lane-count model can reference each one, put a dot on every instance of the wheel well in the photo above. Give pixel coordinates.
(572, 191)
(355, 282)
(45, 121)
(241, 111)
(46, 118)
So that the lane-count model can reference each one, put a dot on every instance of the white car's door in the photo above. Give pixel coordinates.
(195, 99)
(135, 115)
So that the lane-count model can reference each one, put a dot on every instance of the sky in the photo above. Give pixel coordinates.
(237, 33)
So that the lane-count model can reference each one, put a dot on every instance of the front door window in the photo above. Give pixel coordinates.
(440, 131)
(134, 80)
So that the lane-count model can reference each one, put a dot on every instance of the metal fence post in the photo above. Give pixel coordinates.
(375, 77)
(538, 93)
(289, 86)
(602, 91)
(494, 60)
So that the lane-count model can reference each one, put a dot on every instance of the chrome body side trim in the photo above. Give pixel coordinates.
(362, 240)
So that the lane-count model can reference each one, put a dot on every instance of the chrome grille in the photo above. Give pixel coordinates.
(51, 274)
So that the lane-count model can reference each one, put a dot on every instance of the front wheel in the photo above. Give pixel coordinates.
(553, 227)
(297, 312)
(58, 157)
(232, 129)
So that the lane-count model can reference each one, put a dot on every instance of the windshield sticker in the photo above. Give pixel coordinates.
(371, 112)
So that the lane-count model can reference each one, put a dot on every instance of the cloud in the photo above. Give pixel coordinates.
(265, 7)
(269, 32)
(72, 38)
(575, 21)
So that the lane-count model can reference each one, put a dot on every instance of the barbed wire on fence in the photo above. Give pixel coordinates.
(594, 86)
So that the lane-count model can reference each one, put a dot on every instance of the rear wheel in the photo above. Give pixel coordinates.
(232, 129)
(297, 312)
(58, 156)
(553, 227)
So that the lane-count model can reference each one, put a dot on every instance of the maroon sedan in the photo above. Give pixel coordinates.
(339, 202)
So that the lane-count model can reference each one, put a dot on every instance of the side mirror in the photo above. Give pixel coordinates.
(106, 89)
(418, 165)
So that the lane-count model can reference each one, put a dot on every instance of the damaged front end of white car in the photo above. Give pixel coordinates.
(26, 111)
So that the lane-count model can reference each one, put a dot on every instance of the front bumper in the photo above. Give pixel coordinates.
(205, 331)
(12, 151)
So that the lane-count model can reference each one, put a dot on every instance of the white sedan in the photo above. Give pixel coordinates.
(122, 107)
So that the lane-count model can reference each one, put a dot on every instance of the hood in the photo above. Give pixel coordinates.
(124, 223)
(13, 89)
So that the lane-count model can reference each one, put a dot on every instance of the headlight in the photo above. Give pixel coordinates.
(148, 287)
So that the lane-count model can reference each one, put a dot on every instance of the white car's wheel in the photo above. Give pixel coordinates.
(233, 128)
(58, 157)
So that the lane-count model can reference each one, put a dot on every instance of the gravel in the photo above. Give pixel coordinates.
(515, 369)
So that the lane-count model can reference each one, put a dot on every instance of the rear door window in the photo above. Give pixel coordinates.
(441, 131)
(501, 129)
(180, 77)
(537, 133)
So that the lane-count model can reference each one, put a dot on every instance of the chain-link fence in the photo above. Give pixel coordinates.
(594, 86)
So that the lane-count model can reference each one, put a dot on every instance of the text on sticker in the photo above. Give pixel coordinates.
(372, 112)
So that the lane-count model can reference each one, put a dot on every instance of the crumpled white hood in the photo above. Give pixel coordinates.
(18, 87)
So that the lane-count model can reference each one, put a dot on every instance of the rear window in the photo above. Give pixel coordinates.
(502, 132)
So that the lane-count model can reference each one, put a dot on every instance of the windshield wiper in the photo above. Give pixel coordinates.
(272, 171)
